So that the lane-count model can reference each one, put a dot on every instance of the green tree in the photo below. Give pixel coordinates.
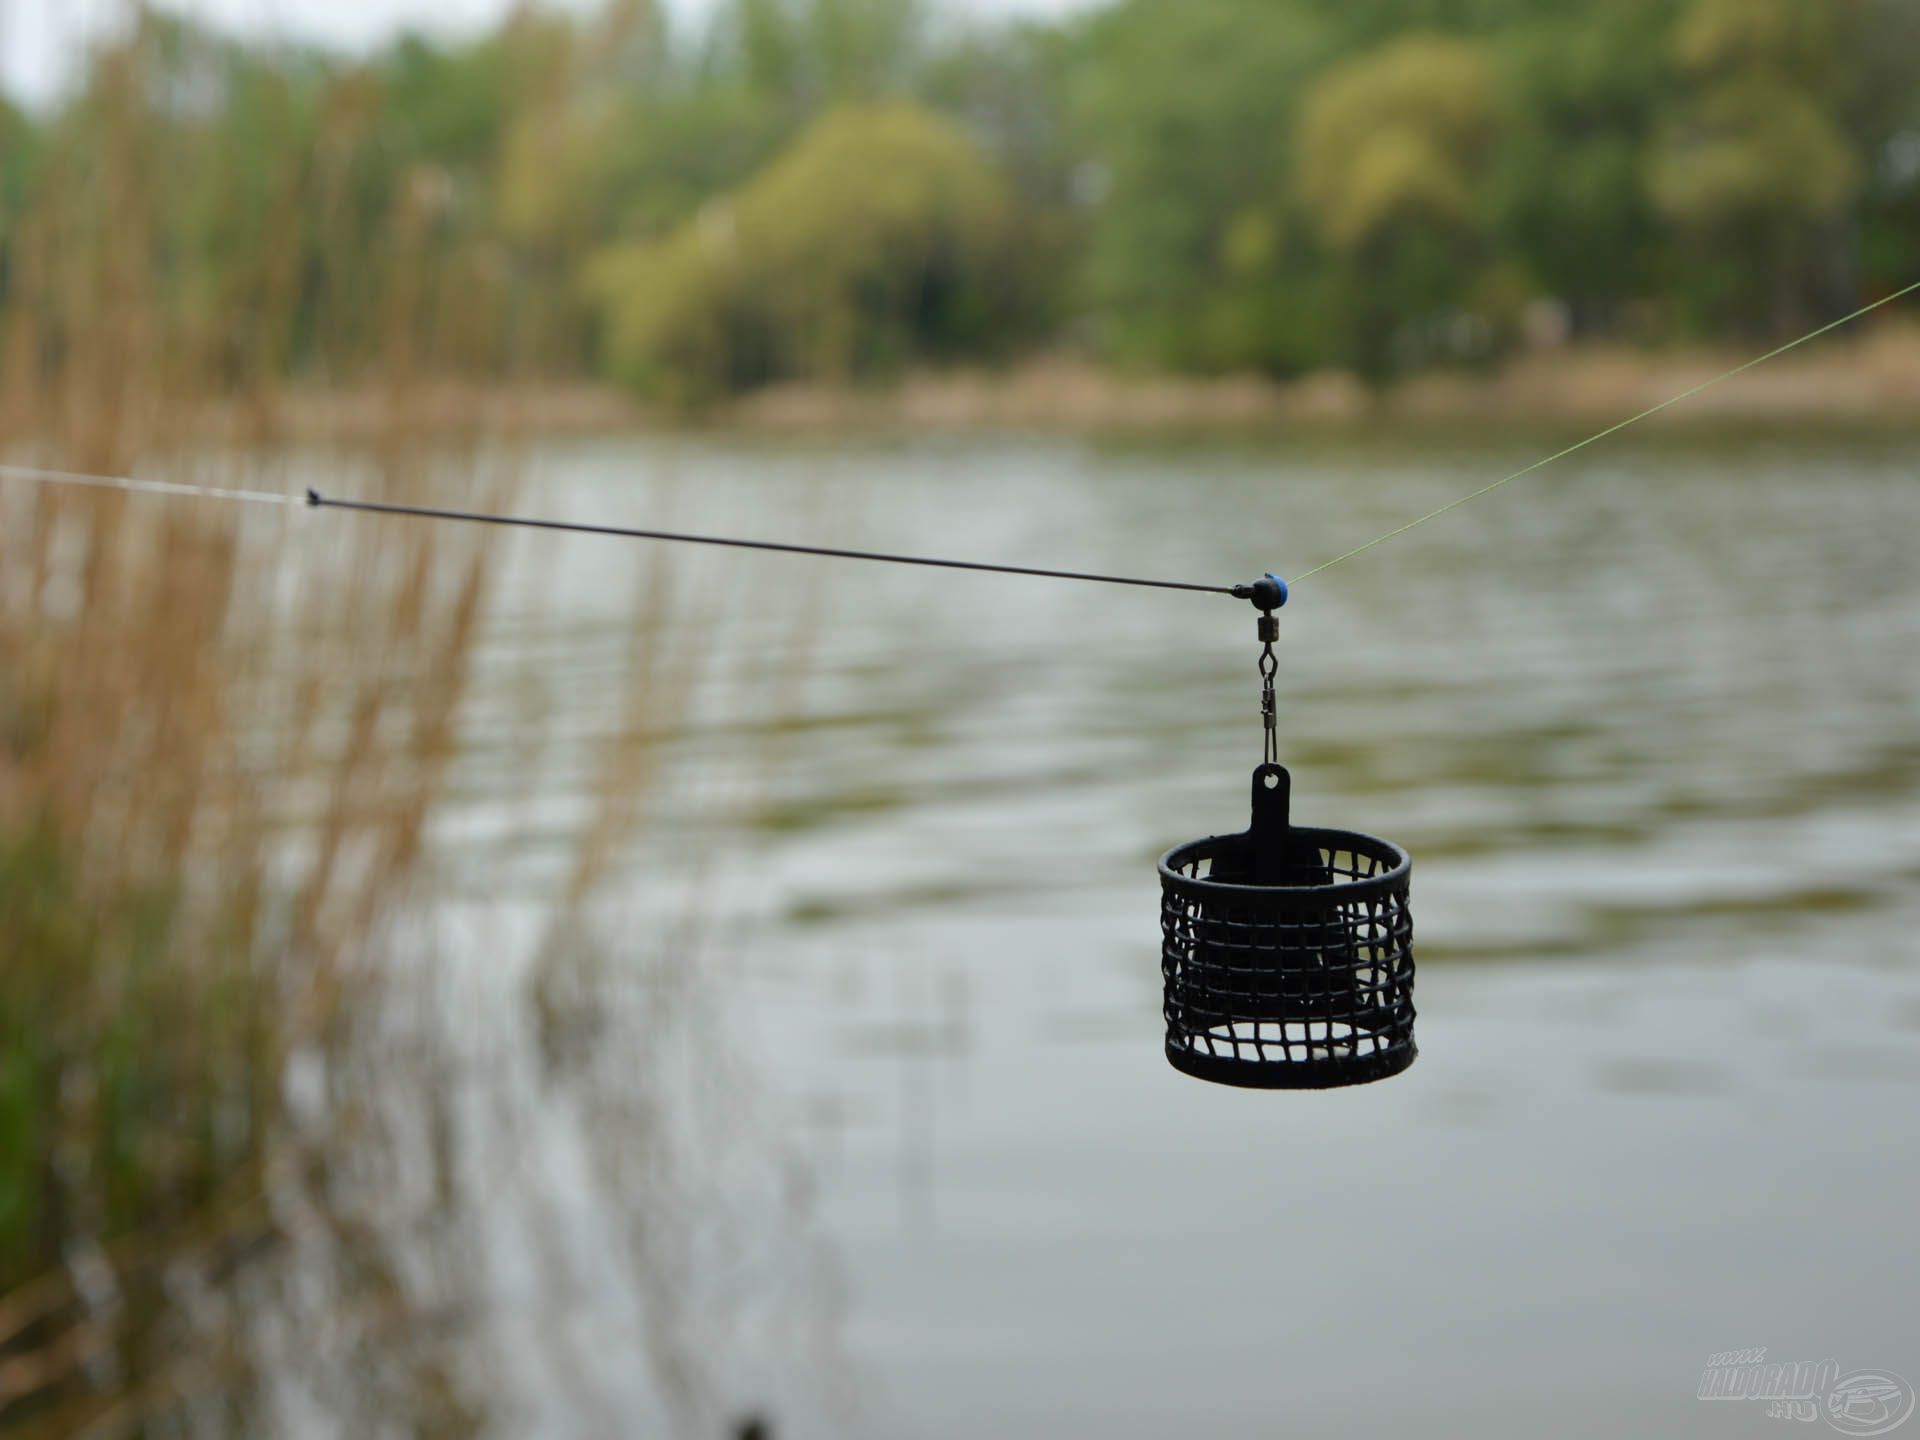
(1584, 84)
(18, 146)
(881, 236)
(1393, 159)
(1886, 126)
(813, 53)
(1754, 167)
(1211, 185)
(1184, 115)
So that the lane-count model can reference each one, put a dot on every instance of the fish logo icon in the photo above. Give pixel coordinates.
(1869, 1402)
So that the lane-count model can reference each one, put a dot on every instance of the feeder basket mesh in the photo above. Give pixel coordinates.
(1305, 983)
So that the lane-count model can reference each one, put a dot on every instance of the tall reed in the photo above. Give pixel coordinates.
(169, 944)
(238, 1147)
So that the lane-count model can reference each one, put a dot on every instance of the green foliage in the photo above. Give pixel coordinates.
(1186, 114)
(1393, 161)
(18, 142)
(150, 1076)
(879, 238)
(816, 51)
(1582, 87)
(1753, 165)
(1396, 139)
(1290, 183)
(18, 148)
(1884, 126)
(453, 102)
(1211, 185)
(1754, 154)
(1731, 39)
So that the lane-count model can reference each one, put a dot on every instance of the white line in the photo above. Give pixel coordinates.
(140, 487)
(1614, 429)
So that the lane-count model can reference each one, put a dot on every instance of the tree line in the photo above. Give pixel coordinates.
(838, 189)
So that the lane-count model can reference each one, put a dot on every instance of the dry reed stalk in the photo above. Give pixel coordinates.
(163, 961)
(175, 928)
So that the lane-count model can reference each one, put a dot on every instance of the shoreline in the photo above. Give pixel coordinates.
(1872, 380)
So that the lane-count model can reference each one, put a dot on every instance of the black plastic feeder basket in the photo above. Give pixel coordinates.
(1288, 952)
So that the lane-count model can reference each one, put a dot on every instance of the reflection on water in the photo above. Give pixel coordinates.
(1647, 723)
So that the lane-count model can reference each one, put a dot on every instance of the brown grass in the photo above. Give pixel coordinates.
(1868, 377)
(225, 738)
(172, 939)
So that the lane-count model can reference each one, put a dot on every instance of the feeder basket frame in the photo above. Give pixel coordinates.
(1287, 952)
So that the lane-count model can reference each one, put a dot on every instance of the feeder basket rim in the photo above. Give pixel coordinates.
(1292, 1074)
(1315, 835)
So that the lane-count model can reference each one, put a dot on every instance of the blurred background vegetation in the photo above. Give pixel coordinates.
(838, 189)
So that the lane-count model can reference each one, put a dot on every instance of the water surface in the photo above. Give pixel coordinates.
(883, 957)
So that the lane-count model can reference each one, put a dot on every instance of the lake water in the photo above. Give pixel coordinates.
(845, 1105)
